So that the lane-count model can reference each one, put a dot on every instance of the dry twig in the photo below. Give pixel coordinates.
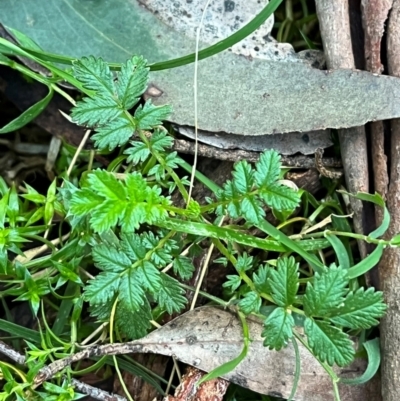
(80, 386)
(335, 31)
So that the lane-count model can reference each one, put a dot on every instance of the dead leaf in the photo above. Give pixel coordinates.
(209, 336)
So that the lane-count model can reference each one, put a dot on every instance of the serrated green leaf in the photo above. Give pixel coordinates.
(95, 75)
(85, 202)
(285, 281)
(107, 258)
(102, 288)
(251, 302)
(360, 309)
(243, 177)
(279, 197)
(261, 280)
(150, 277)
(329, 343)
(251, 209)
(138, 152)
(132, 81)
(170, 295)
(102, 312)
(278, 329)
(160, 140)
(183, 267)
(327, 291)
(133, 323)
(172, 160)
(130, 203)
(131, 294)
(148, 116)
(107, 185)
(97, 111)
(244, 263)
(107, 214)
(150, 210)
(114, 133)
(233, 282)
(267, 168)
(133, 247)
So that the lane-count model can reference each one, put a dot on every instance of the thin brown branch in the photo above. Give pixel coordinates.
(108, 349)
(374, 15)
(335, 31)
(80, 386)
(302, 162)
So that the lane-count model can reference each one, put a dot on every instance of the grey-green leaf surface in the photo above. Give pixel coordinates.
(268, 102)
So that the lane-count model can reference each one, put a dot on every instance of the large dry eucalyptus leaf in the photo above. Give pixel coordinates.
(236, 94)
(209, 336)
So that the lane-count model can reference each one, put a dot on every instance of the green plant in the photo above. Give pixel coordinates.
(123, 231)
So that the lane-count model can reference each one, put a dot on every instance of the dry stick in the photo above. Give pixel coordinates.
(80, 386)
(374, 15)
(335, 31)
(389, 266)
(107, 349)
(234, 155)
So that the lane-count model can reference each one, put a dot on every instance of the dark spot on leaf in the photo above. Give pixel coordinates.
(305, 138)
(205, 323)
(229, 5)
(191, 340)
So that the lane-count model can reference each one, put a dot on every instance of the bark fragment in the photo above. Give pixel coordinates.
(389, 266)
